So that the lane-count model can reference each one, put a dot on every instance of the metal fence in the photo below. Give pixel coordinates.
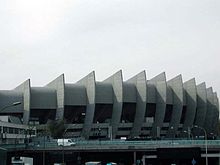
(84, 143)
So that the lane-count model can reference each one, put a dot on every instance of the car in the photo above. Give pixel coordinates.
(111, 163)
(65, 142)
(93, 163)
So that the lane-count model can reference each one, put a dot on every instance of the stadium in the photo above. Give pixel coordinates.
(115, 109)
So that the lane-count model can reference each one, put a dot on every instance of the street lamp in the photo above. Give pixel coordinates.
(99, 134)
(63, 156)
(206, 147)
(11, 105)
(172, 131)
(63, 135)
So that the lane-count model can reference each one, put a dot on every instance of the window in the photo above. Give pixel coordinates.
(5, 129)
(11, 130)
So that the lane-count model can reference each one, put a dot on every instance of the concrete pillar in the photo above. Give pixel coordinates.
(139, 81)
(90, 84)
(117, 85)
(135, 157)
(3, 156)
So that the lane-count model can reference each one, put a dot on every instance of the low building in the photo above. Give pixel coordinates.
(12, 132)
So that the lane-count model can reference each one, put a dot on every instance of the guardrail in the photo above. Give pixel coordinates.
(97, 143)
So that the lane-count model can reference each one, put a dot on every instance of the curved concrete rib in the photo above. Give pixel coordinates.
(58, 85)
(25, 89)
(190, 95)
(210, 110)
(116, 82)
(216, 115)
(176, 85)
(141, 97)
(161, 95)
(89, 83)
(201, 105)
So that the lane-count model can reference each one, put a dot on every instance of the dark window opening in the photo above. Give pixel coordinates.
(145, 135)
(123, 137)
(150, 110)
(168, 113)
(74, 130)
(128, 112)
(183, 116)
(5, 130)
(124, 129)
(16, 130)
(98, 133)
(103, 113)
(194, 122)
(43, 115)
(146, 128)
(180, 129)
(74, 114)
(165, 128)
(11, 130)
(19, 115)
(97, 136)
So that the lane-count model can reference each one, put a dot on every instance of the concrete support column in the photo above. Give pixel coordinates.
(89, 83)
(141, 97)
(176, 86)
(135, 157)
(39, 158)
(159, 83)
(3, 156)
(117, 86)
(25, 88)
(143, 160)
(59, 85)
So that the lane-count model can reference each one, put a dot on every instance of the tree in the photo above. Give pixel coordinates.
(56, 128)
(218, 131)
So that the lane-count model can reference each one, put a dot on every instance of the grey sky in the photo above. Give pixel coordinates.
(42, 39)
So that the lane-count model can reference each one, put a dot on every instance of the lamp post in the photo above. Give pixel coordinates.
(64, 132)
(206, 147)
(63, 156)
(99, 134)
(172, 131)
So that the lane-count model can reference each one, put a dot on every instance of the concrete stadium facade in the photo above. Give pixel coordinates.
(115, 108)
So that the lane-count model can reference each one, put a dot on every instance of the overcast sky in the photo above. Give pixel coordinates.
(42, 39)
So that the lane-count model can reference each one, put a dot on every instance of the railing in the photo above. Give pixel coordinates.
(97, 143)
